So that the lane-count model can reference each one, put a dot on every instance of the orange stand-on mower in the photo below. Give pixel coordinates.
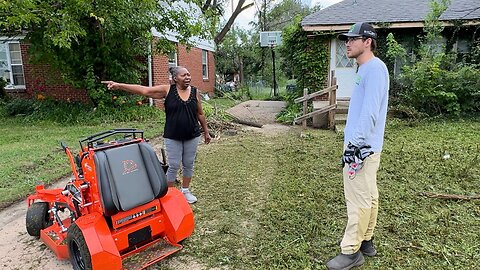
(117, 211)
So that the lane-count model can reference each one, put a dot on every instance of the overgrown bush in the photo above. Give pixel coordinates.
(73, 113)
(436, 84)
(20, 106)
(3, 94)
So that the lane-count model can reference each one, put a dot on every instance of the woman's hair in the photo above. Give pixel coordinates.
(175, 70)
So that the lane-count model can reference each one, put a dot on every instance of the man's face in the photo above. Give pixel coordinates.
(356, 46)
(183, 77)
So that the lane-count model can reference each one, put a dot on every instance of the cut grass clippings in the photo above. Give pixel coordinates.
(277, 202)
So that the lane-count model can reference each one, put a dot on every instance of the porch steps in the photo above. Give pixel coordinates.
(341, 114)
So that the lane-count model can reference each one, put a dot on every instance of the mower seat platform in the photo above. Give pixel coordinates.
(129, 176)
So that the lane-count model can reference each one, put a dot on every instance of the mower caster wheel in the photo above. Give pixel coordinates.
(38, 218)
(77, 249)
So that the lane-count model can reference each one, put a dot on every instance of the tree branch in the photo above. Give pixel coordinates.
(220, 36)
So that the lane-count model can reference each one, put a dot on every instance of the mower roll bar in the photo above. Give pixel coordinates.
(104, 134)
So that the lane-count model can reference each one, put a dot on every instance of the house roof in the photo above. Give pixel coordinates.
(406, 13)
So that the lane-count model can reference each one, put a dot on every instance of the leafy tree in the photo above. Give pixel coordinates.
(93, 40)
(284, 13)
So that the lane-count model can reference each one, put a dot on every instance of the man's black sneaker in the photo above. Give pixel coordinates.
(346, 261)
(368, 249)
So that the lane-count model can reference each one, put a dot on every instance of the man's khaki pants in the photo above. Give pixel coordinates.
(361, 196)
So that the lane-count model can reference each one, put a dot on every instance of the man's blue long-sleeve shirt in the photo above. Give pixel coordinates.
(367, 111)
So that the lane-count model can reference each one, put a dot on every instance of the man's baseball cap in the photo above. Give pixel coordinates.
(361, 29)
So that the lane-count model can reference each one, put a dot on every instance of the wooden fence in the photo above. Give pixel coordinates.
(331, 90)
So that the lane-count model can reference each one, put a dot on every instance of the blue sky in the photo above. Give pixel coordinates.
(248, 15)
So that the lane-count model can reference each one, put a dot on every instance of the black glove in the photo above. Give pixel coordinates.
(352, 152)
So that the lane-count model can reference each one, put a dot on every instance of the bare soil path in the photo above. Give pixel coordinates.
(20, 251)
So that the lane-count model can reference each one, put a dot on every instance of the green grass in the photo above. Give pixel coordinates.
(277, 202)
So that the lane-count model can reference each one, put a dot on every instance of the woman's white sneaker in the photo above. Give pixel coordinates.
(189, 196)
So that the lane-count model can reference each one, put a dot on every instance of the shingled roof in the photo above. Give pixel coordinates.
(341, 15)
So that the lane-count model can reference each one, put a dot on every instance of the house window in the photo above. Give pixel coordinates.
(172, 62)
(342, 61)
(11, 66)
(205, 64)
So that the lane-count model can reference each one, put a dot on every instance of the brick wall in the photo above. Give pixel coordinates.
(42, 79)
(190, 59)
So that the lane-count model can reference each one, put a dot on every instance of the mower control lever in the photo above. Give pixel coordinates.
(95, 138)
(64, 146)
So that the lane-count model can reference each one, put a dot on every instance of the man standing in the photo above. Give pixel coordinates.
(363, 141)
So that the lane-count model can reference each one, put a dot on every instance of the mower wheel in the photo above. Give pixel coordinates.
(78, 250)
(37, 218)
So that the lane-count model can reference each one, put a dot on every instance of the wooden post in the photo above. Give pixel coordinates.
(332, 100)
(305, 107)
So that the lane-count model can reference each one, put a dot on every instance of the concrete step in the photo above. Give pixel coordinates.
(340, 119)
(341, 110)
(339, 128)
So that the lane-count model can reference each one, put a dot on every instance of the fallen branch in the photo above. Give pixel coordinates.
(449, 196)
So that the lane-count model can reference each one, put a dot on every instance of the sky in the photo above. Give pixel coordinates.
(249, 15)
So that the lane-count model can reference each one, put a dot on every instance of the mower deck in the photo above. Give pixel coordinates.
(150, 255)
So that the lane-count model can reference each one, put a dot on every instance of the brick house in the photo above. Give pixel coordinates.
(26, 80)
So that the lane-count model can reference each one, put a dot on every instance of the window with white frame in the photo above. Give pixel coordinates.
(342, 60)
(205, 64)
(11, 66)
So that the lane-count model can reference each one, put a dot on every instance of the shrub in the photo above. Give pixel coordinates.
(435, 88)
(3, 94)
(20, 106)
(72, 113)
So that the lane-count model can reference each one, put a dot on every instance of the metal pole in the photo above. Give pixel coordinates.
(274, 78)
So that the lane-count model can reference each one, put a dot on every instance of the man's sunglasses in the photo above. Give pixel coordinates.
(352, 39)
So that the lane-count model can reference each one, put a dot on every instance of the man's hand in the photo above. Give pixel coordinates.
(353, 151)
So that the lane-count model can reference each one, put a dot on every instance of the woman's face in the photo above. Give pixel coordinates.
(183, 77)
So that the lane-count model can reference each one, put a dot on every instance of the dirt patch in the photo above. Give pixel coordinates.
(27, 253)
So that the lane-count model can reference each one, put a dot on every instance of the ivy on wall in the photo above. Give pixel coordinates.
(306, 57)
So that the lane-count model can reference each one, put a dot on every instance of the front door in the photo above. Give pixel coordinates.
(344, 68)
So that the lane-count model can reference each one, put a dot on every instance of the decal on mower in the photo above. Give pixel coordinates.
(88, 167)
(129, 166)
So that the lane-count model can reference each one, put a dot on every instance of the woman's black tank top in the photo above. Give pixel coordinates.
(181, 116)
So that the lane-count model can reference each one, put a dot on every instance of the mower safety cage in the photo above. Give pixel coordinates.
(98, 137)
(117, 211)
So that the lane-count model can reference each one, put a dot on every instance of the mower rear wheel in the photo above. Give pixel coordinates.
(78, 250)
(38, 218)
